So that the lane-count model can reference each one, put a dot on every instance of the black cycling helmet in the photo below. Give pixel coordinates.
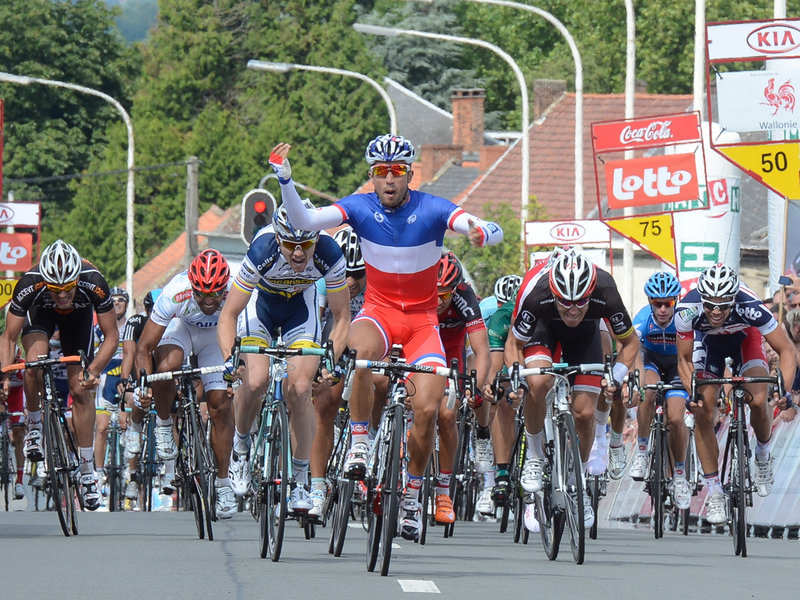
(118, 291)
(150, 298)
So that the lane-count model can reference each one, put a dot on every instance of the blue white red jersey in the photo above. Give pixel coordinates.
(266, 268)
(401, 247)
(748, 311)
(652, 336)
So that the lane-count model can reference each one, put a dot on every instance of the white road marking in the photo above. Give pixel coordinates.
(418, 585)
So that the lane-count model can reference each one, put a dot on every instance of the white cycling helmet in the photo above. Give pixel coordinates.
(286, 231)
(505, 288)
(389, 148)
(718, 281)
(572, 275)
(348, 242)
(60, 263)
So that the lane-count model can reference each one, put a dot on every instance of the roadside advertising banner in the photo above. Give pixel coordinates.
(759, 100)
(16, 251)
(651, 181)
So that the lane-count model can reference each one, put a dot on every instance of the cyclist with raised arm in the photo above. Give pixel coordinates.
(402, 233)
(723, 318)
(184, 321)
(565, 309)
(65, 291)
(282, 266)
(460, 319)
(328, 399)
(655, 326)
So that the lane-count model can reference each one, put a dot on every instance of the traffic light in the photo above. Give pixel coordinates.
(258, 206)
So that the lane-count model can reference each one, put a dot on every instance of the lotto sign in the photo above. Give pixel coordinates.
(646, 133)
(651, 180)
(15, 251)
(6, 290)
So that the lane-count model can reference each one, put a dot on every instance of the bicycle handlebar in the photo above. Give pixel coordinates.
(186, 371)
(776, 380)
(45, 361)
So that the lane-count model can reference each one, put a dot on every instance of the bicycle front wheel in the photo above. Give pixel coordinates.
(273, 501)
(738, 494)
(572, 485)
(58, 471)
(390, 488)
(656, 480)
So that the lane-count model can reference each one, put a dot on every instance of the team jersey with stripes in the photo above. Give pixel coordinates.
(401, 246)
(266, 268)
(748, 311)
(653, 337)
(176, 301)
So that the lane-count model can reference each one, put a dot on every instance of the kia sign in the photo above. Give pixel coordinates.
(20, 214)
(756, 40)
(651, 180)
(646, 133)
(15, 251)
(561, 233)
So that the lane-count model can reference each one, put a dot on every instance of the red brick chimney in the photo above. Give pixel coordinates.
(468, 118)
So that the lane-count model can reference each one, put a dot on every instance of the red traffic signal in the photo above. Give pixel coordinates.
(258, 206)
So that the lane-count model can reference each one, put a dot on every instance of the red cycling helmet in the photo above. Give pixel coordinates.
(450, 271)
(209, 272)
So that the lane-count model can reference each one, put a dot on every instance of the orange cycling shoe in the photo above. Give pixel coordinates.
(444, 510)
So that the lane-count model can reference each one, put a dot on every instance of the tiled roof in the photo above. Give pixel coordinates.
(552, 150)
(170, 261)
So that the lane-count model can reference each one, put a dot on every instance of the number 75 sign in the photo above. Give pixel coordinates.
(653, 233)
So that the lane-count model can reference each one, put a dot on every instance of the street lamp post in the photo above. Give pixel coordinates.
(24, 80)
(276, 67)
(523, 89)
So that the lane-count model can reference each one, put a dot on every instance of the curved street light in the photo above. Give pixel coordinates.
(523, 89)
(279, 67)
(24, 80)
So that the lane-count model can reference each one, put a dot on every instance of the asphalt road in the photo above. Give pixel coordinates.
(151, 555)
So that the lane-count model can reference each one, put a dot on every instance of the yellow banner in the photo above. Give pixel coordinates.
(6, 290)
(776, 165)
(653, 233)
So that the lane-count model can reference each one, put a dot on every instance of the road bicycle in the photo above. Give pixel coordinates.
(8, 472)
(385, 472)
(560, 502)
(61, 452)
(737, 482)
(339, 504)
(114, 462)
(270, 456)
(194, 467)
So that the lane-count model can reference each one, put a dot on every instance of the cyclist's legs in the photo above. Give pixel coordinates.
(644, 413)
(219, 408)
(678, 434)
(247, 398)
(35, 344)
(168, 357)
(754, 364)
(504, 432)
(367, 339)
(583, 407)
(297, 391)
(327, 400)
(424, 403)
(448, 436)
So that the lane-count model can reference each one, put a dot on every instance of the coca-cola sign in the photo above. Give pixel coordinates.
(653, 131)
(651, 180)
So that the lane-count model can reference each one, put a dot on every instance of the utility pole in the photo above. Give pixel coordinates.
(192, 172)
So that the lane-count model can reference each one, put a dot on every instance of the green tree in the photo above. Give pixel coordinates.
(487, 264)
(52, 132)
